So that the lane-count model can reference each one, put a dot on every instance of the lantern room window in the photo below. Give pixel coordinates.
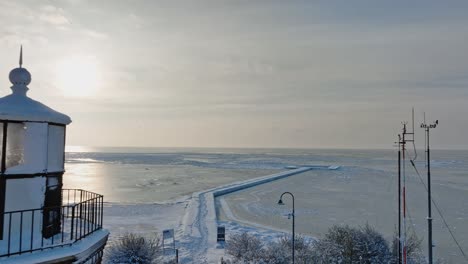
(14, 145)
(26, 143)
(31, 147)
(55, 148)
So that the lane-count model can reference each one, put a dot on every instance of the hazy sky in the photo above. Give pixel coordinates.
(243, 73)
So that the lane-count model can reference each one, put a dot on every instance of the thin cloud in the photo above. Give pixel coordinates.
(95, 34)
(54, 16)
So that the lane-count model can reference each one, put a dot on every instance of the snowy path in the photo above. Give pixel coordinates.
(197, 231)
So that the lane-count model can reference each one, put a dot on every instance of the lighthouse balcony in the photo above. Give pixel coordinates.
(42, 229)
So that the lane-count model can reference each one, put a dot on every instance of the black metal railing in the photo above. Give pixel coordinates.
(80, 214)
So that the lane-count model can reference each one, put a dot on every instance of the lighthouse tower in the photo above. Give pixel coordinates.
(39, 220)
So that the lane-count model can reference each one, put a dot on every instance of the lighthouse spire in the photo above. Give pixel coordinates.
(21, 57)
(20, 77)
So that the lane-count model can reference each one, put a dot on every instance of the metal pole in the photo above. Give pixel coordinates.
(293, 229)
(404, 194)
(293, 222)
(429, 215)
(399, 204)
(72, 223)
(429, 199)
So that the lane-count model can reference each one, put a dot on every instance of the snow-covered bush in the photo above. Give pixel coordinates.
(276, 253)
(341, 244)
(413, 249)
(281, 251)
(247, 248)
(344, 244)
(135, 249)
(244, 248)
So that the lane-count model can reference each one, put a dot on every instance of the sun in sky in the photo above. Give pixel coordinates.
(77, 76)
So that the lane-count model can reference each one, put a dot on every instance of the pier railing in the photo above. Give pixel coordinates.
(80, 214)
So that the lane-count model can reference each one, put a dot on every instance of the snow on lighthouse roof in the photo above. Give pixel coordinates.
(19, 107)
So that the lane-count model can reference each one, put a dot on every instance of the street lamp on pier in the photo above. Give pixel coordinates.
(280, 202)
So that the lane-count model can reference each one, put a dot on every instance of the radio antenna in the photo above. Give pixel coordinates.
(414, 145)
(403, 139)
(427, 128)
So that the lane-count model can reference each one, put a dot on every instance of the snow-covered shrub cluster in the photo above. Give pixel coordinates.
(135, 249)
(281, 252)
(345, 244)
(341, 244)
(245, 248)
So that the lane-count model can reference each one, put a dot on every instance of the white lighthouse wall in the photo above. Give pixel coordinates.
(33, 157)
(24, 194)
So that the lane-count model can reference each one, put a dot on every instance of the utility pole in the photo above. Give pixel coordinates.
(429, 199)
(405, 138)
(399, 199)
(403, 150)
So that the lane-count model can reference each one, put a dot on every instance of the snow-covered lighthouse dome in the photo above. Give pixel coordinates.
(19, 107)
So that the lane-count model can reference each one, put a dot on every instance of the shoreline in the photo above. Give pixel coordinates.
(199, 224)
(193, 218)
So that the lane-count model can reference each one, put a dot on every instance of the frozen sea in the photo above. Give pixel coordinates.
(362, 191)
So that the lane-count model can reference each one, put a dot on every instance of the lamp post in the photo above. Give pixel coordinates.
(280, 202)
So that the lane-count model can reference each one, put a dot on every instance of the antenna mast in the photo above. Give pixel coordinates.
(403, 139)
(427, 127)
(399, 198)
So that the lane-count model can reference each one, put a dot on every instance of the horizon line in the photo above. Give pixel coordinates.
(83, 148)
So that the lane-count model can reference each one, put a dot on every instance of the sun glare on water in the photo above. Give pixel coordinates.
(77, 76)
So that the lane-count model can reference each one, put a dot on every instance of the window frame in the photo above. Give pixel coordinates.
(4, 177)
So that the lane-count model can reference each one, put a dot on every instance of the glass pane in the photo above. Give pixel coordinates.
(56, 148)
(26, 148)
(15, 144)
(53, 183)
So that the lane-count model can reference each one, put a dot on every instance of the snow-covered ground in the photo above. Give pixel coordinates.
(194, 220)
(323, 198)
(157, 191)
(355, 196)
